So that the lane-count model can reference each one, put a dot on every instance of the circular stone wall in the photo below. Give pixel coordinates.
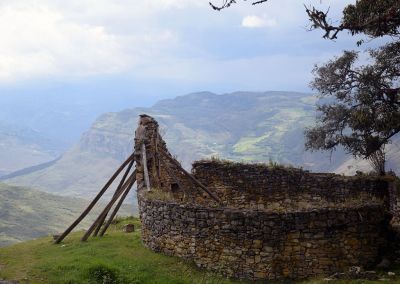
(255, 244)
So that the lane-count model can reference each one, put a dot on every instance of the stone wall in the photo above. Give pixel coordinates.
(272, 188)
(256, 244)
(271, 223)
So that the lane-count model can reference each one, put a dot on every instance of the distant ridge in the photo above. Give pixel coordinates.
(240, 126)
(26, 213)
(29, 170)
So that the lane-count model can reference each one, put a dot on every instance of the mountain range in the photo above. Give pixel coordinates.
(241, 126)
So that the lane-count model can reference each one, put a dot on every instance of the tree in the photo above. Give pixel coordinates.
(364, 113)
(374, 18)
(359, 106)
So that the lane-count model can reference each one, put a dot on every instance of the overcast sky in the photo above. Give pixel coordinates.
(162, 48)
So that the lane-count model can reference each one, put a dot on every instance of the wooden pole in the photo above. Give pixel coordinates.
(121, 200)
(94, 201)
(118, 188)
(146, 171)
(191, 177)
(109, 205)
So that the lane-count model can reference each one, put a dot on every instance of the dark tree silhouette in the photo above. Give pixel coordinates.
(374, 18)
(228, 3)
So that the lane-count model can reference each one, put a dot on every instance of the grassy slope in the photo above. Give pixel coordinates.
(27, 213)
(118, 253)
(117, 256)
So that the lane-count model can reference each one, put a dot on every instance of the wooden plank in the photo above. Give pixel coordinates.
(146, 171)
(109, 205)
(121, 200)
(94, 201)
(213, 196)
(118, 188)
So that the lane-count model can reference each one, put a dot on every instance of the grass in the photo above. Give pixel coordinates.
(158, 194)
(116, 258)
(233, 163)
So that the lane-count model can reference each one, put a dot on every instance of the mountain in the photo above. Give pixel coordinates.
(243, 126)
(40, 122)
(22, 147)
(27, 214)
(62, 111)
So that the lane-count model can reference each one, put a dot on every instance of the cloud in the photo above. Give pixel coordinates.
(39, 41)
(53, 39)
(257, 22)
(178, 41)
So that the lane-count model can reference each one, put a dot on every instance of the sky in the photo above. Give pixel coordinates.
(156, 49)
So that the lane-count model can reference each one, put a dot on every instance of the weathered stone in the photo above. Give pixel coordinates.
(272, 223)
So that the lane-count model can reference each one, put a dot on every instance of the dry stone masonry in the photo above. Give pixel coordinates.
(270, 223)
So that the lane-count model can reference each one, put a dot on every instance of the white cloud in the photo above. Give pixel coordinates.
(151, 40)
(50, 39)
(39, 41)
(257, 22)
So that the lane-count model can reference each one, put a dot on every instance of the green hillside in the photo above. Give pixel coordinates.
(27, 214)
(116, 258)
(241, 126)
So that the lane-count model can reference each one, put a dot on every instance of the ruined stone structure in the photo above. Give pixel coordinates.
(258, 222)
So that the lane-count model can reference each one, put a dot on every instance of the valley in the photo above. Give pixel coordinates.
(241, 126)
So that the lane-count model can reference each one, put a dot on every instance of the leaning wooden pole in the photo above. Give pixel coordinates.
(128, 169)
(109, 205)
(94, 201)
(121, 200)
(213, 196)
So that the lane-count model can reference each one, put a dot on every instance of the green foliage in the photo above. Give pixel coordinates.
(361, 110)
(373, 17)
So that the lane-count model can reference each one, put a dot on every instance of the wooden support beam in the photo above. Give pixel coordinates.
(94, 201)
(121, 200)
(145, 169)
(213, 196)
(128, 169)
(109, 205)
